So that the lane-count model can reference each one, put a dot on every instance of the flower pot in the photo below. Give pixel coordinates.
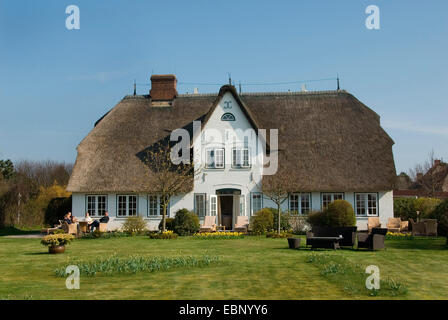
(294, 243)
(56, 249)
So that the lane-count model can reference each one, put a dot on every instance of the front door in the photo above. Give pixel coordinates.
(226, 210)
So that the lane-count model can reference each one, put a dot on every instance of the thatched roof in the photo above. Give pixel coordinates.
(328, 141)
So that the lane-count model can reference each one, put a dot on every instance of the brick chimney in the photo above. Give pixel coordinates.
(163, 87)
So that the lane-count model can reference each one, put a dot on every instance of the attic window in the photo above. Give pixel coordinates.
(228, 117)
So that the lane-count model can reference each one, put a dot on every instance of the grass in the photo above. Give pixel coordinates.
(248, 268)
(14, 231)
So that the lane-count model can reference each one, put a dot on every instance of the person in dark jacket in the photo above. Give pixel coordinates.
(96, 223)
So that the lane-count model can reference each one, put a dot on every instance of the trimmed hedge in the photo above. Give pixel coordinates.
(186, 223)
(339, 213)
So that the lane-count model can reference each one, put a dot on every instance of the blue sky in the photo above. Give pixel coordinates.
(55, 83)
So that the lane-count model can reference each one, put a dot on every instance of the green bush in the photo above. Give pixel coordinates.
(262, 221)
(134, 225)
(339, 213)
(169, 224)
(441, 214)
(284, 220)
(406, 208)
(185, 223)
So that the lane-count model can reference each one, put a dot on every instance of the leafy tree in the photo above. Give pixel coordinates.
(7, 169)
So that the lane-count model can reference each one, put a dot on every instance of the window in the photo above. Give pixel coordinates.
(240, 158)
(127, 206)
(227, 117)
(328, 198)
(215, 158)
(96, 205)
(366, 204)
(299, 203)
(199, 204)
(213, 205)
(257, 202)
(155, 207)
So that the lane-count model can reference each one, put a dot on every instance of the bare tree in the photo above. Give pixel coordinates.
(277, 188)
(428, 176)
(165, 178)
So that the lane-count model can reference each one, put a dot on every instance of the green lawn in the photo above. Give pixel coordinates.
(250, 268)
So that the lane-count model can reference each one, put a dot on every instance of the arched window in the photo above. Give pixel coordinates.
(228, 117)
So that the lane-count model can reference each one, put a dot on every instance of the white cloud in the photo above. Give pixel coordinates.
(418, 128)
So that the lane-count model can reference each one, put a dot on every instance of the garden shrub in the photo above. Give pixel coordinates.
(284, 220)
(299, 224)
(218, 235)
(134, 225)
(185, 223)
(262, 221)
(339, 213)
(441, 214)
(406, 208)
(169, 224)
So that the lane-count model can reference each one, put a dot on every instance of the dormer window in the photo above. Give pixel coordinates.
(228, 117)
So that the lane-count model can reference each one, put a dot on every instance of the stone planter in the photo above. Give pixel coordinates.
(294, 243)
(56, 249)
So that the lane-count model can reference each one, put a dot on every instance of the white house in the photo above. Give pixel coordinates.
(329, 143)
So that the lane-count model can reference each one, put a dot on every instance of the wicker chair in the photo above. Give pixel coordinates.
(394, 224)
(373, 222)
(404, 226)
(241, 225)
(70, 228)
(418, 228)
(209, 224)
(373, 240)
(430, 227)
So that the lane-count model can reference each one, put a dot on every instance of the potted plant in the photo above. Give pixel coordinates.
(56, 242)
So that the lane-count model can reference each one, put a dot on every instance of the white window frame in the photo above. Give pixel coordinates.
(213, 205)
(158, 207)
(241, 157)
(252, 206)
(94, 212)
(197, 205)
(299, 200)
(127, 206)
(332, 197)
(367, 204)
(242, 205)
(213, 156)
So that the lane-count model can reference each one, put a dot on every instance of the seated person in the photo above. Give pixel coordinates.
(74, 219)
(88, 219)
(96, 223)
(67, 218)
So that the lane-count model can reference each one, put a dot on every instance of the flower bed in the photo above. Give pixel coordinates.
(399, 236)
(163, 235)
(218, 235)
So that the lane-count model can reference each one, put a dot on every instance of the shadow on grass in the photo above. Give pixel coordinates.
(13, 231)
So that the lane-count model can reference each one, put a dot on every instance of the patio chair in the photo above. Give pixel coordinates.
(373, 240)
(404, 226)
(418, 228)
(241, 225)
(102, 227)
(394, 224)
(209, 224)
(430, 227)
(373, 222)
(70, 228)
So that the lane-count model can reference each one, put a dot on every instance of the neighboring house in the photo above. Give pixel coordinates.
(433, 183)
(329, 143)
